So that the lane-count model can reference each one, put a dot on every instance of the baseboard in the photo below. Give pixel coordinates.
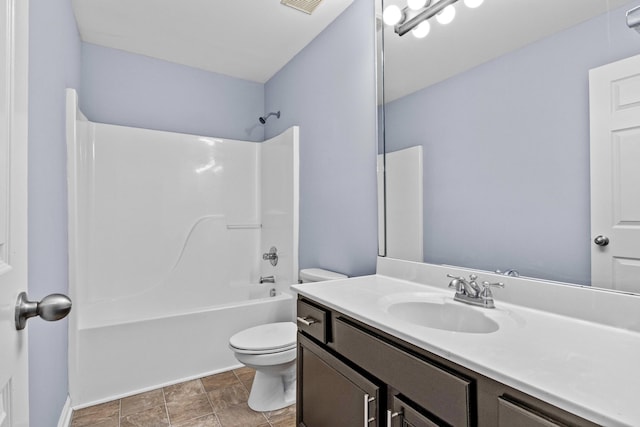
(65, 416)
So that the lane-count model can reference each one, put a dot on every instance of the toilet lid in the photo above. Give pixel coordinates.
(269, 337)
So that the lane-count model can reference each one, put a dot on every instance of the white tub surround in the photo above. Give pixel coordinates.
(576, 364)
(166, 236)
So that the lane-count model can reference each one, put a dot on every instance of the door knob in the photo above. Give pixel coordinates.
(52, 307)
(601, 240)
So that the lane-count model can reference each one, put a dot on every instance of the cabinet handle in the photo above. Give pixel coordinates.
(307, 320)
(391, 415)
(368, 399)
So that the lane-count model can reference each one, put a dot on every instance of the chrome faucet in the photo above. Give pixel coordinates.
(267, 279)
(469, 292)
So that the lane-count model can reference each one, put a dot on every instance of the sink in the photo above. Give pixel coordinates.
(438, 312)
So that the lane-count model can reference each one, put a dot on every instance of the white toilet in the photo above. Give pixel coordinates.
(271, 350)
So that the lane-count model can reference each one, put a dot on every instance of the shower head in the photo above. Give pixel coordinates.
(263, 119)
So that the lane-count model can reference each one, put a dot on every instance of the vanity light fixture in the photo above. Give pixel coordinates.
(414, 17)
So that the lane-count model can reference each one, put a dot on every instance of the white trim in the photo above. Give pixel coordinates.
(67, 413)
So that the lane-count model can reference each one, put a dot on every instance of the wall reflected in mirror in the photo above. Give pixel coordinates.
(498, 100)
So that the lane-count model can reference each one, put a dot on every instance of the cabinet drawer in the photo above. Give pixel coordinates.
(312, 321)
(441, 393)
(513, 414)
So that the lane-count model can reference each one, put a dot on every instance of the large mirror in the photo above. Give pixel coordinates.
(510, 137)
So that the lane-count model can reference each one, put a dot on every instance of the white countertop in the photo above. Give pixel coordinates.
(585, 368)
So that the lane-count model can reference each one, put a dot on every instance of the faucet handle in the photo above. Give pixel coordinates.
(492, 285)
(486, 288)
(457, 283)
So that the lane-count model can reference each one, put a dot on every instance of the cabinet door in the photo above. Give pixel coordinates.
(403, 414)
(511, 414)
(330, 393)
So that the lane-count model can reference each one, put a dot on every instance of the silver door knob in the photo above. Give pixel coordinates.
(601, 240)
(52, 307)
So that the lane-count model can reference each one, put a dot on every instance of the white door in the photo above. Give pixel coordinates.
(14, 409)
(614, 97)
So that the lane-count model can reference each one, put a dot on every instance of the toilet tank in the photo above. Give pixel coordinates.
(319, 275)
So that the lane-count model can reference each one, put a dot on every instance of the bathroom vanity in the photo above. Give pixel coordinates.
(366, 357)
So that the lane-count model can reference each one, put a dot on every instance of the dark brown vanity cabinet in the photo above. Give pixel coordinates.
(350, 374)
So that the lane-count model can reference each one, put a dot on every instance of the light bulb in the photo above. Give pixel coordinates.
(421, 30)
(392, 15)
(416, 4)
(446, 15)
(473, 3)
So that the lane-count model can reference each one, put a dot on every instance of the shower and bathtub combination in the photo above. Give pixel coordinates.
(167, 234)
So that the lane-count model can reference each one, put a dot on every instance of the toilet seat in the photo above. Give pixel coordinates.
(265, 339)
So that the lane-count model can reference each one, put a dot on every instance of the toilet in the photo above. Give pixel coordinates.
(271, 350)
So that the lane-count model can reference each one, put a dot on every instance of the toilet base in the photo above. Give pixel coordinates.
(274, 387)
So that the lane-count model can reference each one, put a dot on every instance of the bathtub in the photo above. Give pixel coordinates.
(117, 355)
(165, 252)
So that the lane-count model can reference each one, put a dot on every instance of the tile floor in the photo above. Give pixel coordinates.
(216, 401)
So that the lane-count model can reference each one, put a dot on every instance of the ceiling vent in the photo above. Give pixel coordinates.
(306, 6)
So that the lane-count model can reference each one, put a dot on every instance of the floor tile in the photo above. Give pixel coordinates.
(97, 414)
(247, 378)
(285, 417)
(154, 417)
(281, 412)
(244, 370)
(240, 416)
(207, 421)
(222, 398)
(112, 421)
(182, 390)
(222, 380)
(140, 402)
(188, 408)
(223, 404)
(288, 421)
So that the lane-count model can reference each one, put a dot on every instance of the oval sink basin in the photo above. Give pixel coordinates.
(442, 314)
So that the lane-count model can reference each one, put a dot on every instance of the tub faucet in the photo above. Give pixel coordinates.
(469, 292)
(267, 279)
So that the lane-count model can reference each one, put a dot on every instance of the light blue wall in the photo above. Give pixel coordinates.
(133, 90)
(510, 139)
(54, 64)
(329, 90)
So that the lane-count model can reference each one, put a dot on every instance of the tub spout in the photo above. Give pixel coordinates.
(267, 279)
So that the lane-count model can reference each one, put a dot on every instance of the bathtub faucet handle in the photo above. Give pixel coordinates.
(271, 256)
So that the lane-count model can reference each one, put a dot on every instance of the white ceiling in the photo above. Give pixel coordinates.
(247, 39)
(477, 36)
